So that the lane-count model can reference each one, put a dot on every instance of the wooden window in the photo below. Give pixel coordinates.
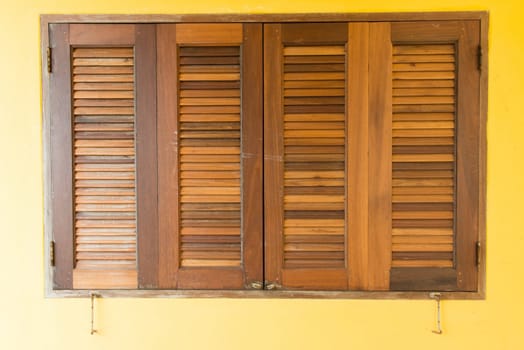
(336, 156)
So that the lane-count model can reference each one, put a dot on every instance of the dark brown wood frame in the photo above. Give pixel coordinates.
(47, 20)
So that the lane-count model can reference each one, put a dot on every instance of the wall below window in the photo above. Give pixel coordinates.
(29, 321)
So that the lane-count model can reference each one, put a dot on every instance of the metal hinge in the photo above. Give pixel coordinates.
(479, 56)
(478, 246)
(52, 253)
(49, 60)
(256, 285)
(271, 285)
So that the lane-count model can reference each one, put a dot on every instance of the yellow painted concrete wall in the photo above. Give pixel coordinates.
(29, 321)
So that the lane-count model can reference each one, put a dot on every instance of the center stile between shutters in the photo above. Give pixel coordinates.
(293, 156)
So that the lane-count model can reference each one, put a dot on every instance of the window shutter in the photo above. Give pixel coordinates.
(93, 108)
(210, 155)
(305, 155)
(435, 151)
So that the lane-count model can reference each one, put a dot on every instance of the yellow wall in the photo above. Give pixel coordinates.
(29, 321)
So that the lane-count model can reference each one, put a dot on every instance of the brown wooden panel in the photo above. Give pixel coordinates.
(102, 34)
(168, 156)
(108, 279)
(146, 160)
(204, 278)
(358, 162)
(227, 33)
(426, 279)
(273, 154)
(325, 279)
(315, 33)
(252, 153)
(61, 151)
(380, 121)
(426, 31)
(468, 157)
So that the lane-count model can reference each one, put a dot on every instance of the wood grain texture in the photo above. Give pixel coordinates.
(468, 157)
(102, 34)
(380, 121)
(168, 173)
(357, 215)
(252, 154)
(146, 157)
(61, 161)
(209, 33)
(273, 155)
(270, 18)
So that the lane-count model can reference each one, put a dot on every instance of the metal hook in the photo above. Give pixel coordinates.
(93, 296)
(437, 296)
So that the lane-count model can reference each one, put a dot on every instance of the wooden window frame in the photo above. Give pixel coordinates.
(481, 17)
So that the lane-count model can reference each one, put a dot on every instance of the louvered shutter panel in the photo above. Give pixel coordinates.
(97, 111)
(305, 155)
(435, 105)
(210, 148)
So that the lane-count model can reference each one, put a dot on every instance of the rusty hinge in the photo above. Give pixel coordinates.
(256, 285)
(478, 252)
(49, 61)
(52, 253)
(480, 53)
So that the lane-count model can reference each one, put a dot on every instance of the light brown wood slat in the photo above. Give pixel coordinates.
(103, 70)
(313, 92)
(313, 125)
(103, 103)
(429, 49)
(316, 117)
(423, 67)
(427, 58)
(211, 231)
(413, 100)
(423, 83)
(314, 84)
(104, 86)
(103, 78)
(102, 52)
(104, 62)
(424, 190)
(423, 239)
(186, 68)
(313, 76)
(422, 263)
(423, 137)
(314, 59)
(423, 247)
(423, 92)
(104, 176)
(423, 124)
